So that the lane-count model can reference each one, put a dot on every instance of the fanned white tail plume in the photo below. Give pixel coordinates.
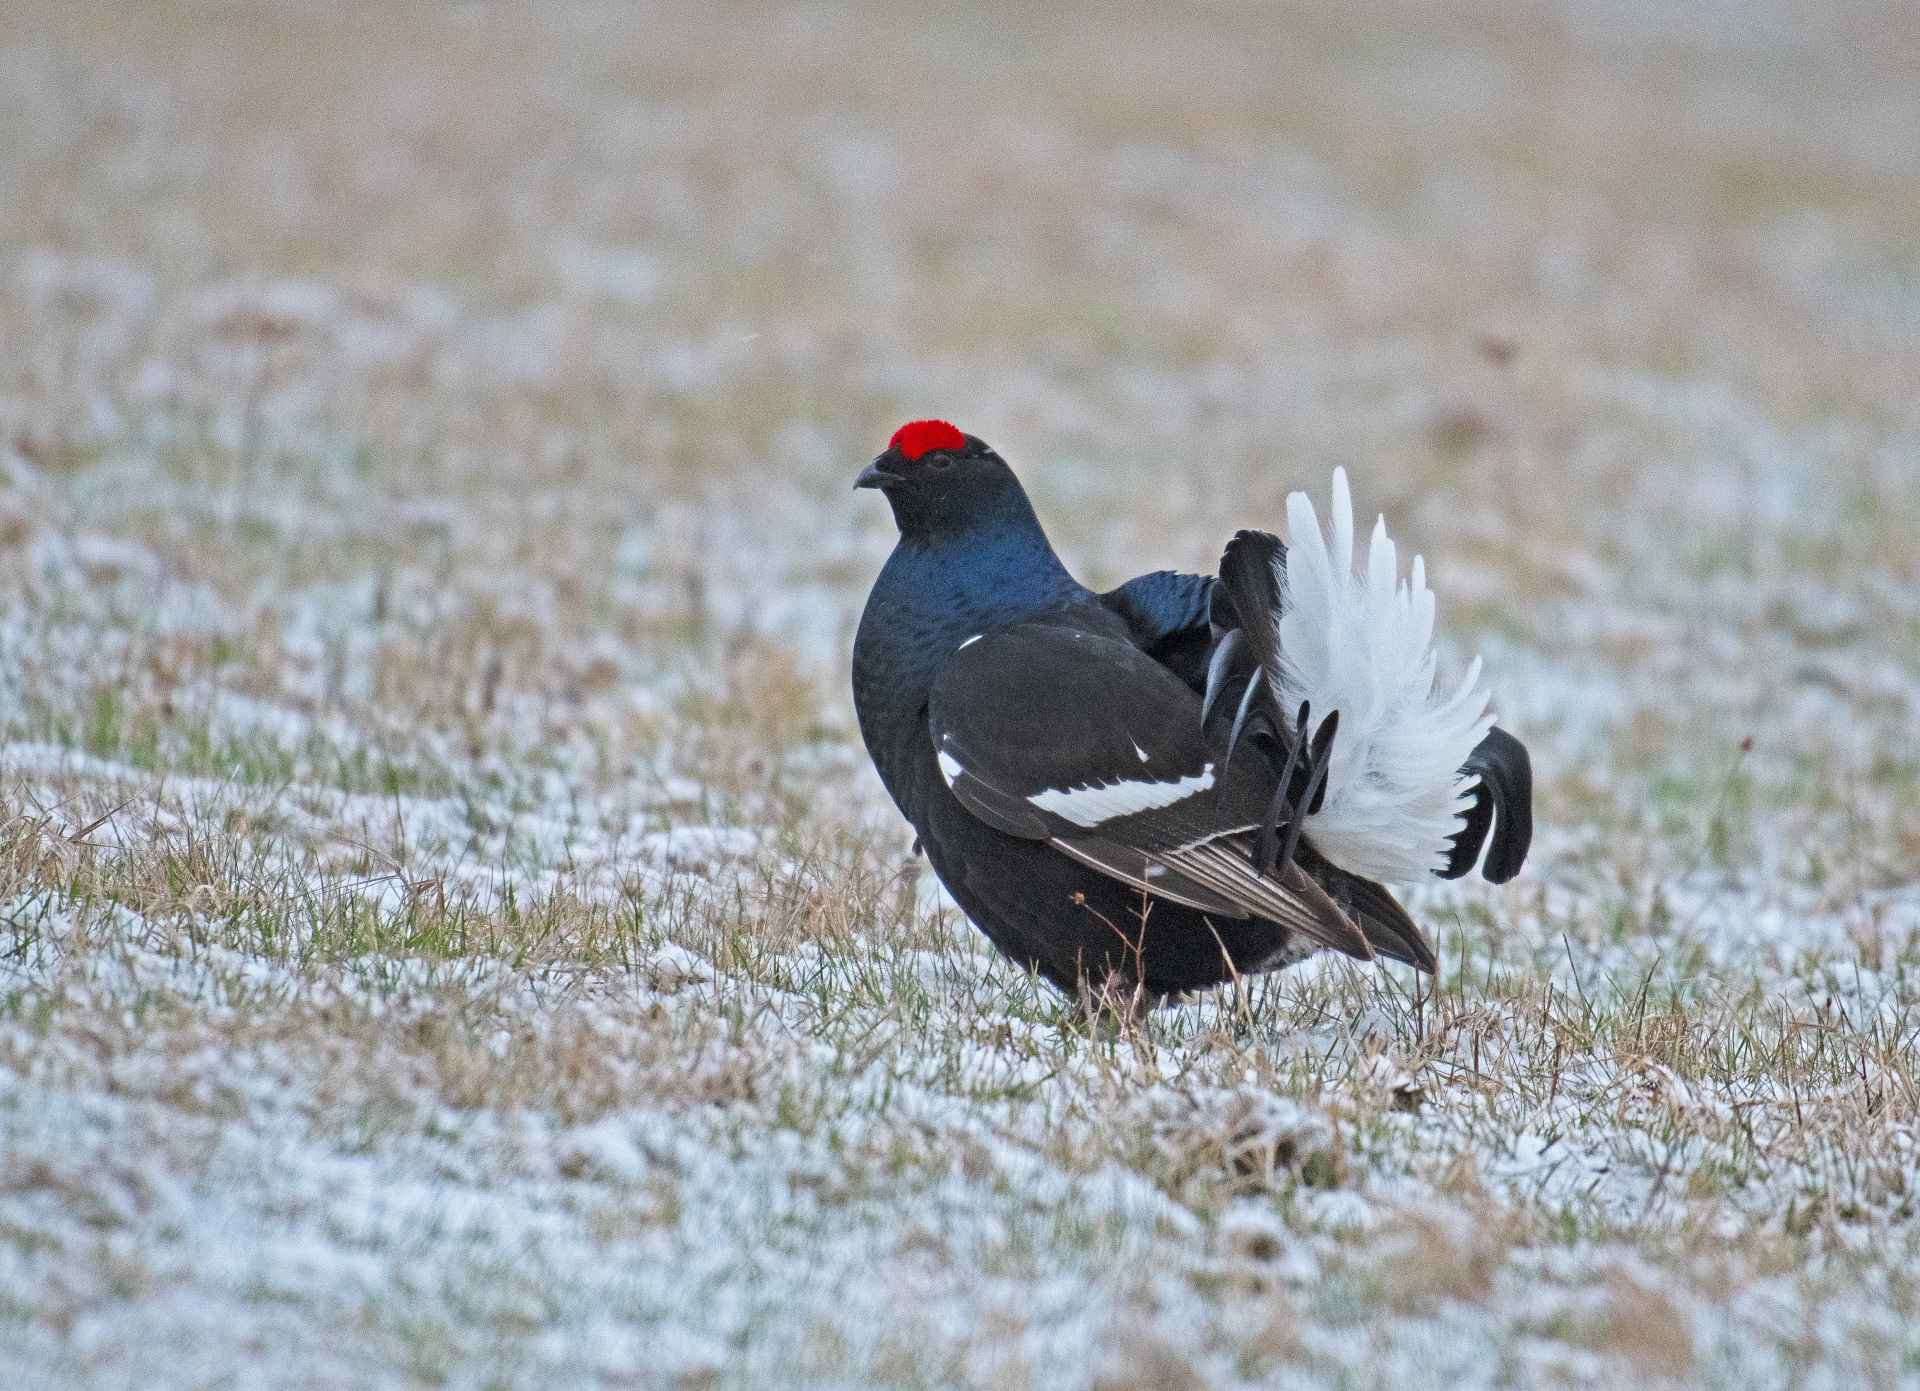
(1362, 645)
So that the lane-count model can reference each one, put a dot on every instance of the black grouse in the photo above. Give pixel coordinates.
(1183, 779)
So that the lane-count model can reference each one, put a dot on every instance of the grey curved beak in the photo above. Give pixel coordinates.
(873, 476)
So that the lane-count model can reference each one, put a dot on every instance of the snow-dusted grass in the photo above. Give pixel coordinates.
(449, 933)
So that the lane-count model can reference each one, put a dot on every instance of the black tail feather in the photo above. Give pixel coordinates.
(1502, 803)
(1249, 702)
(1249, 575)
(1250, 578)
(1309, 800)
(1270, 824)
(1220, 670)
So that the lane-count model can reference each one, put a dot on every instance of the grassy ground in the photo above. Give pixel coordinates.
(449, 932)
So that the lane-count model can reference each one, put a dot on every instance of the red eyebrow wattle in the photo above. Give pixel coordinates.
(916, 437)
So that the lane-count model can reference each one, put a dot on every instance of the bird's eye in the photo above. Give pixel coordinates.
(941, 461)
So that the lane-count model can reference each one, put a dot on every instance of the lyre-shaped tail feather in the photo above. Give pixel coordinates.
(1396, 793)
(1504, 786)
(1250, 572)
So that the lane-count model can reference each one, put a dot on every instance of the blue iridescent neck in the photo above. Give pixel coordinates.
(991, 561)
(940, 587)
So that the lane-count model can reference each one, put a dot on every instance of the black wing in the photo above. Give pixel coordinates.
(1505, 771)
(1170, 618)
(1060, 735)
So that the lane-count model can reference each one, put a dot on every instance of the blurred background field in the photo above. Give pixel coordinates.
(449, 931)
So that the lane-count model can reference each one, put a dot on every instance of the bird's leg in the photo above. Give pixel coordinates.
(1270, 824)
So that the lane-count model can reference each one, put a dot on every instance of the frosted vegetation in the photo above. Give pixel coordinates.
(449, 933)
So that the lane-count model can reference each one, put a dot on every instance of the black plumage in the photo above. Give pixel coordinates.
(1063, 755)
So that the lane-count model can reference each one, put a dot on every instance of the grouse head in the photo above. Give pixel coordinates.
(942, 483)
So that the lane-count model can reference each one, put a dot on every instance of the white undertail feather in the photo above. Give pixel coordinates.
(1362, 644)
